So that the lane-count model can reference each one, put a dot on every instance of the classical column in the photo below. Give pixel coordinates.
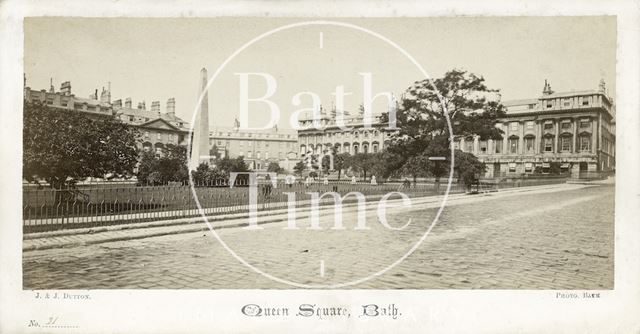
(575, 134)
(556, 125)
(538, 148)
(521, 148)
(476, 145)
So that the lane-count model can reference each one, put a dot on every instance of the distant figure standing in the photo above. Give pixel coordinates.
(373, 181)
(307, 181)
(289, 180)
(326, 181)
(353, 179)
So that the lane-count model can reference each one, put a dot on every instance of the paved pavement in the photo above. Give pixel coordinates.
(559, 238)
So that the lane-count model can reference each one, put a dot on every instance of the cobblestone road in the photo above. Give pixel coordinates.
(555, 240)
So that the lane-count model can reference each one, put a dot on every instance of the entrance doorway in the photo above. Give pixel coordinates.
(496, 169)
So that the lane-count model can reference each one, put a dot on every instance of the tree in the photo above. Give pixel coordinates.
(299, 168)
(274, 167)
(62, 147)
(468, 168)
(363, 162)
(416, 166)
(339, 162)
(422, 124)
(147, 166)
(226, 166)
(171, 166)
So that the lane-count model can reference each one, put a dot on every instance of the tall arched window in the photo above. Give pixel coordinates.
(529, 144)
(513, 145)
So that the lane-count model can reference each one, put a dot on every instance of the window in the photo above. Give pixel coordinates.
(131, 118)
(266, 155)
(565, 144)
(528, 167)
(585, 143)
(531, 106)
(279, 155)
(529, 125)
(585, 101)
(483, 146)
(566, 103)
(549, 104)
(249, 154)
(513, 145)
(497, 144)
(258, 155)
(548, 144)
(456, 145)
(146, 134)
(513, 126)
(548, 126)
(529, 144)
(159, 136)
(585, 124)
(512, 167)
(219, 142)
(566, 125)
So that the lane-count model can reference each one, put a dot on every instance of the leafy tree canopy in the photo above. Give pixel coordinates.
(65, 146)
(422, 126)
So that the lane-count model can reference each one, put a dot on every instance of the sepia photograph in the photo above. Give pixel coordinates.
(319, 166)
(244, 153)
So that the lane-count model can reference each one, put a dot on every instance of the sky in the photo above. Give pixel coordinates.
(155, 59)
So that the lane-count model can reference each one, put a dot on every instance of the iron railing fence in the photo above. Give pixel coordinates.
(46, 209)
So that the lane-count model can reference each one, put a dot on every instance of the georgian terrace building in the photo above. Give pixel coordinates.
(358, 139)
(65, 100)
(258, 147)
(157, 128)
(574, 129)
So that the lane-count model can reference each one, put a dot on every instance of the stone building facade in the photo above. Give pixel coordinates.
(65, 100)
(574, 129)
(258, 147)
(331, 138)
(158, 129)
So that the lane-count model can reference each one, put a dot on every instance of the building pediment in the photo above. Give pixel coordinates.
(159, 124)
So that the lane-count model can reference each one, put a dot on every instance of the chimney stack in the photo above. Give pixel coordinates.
(105, 95)
(155, 106)
(171, 106)
(127, 103)
(65, 88)
(141, 105)
(117, 104)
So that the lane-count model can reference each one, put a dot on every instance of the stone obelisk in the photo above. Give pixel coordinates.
(200, 144)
